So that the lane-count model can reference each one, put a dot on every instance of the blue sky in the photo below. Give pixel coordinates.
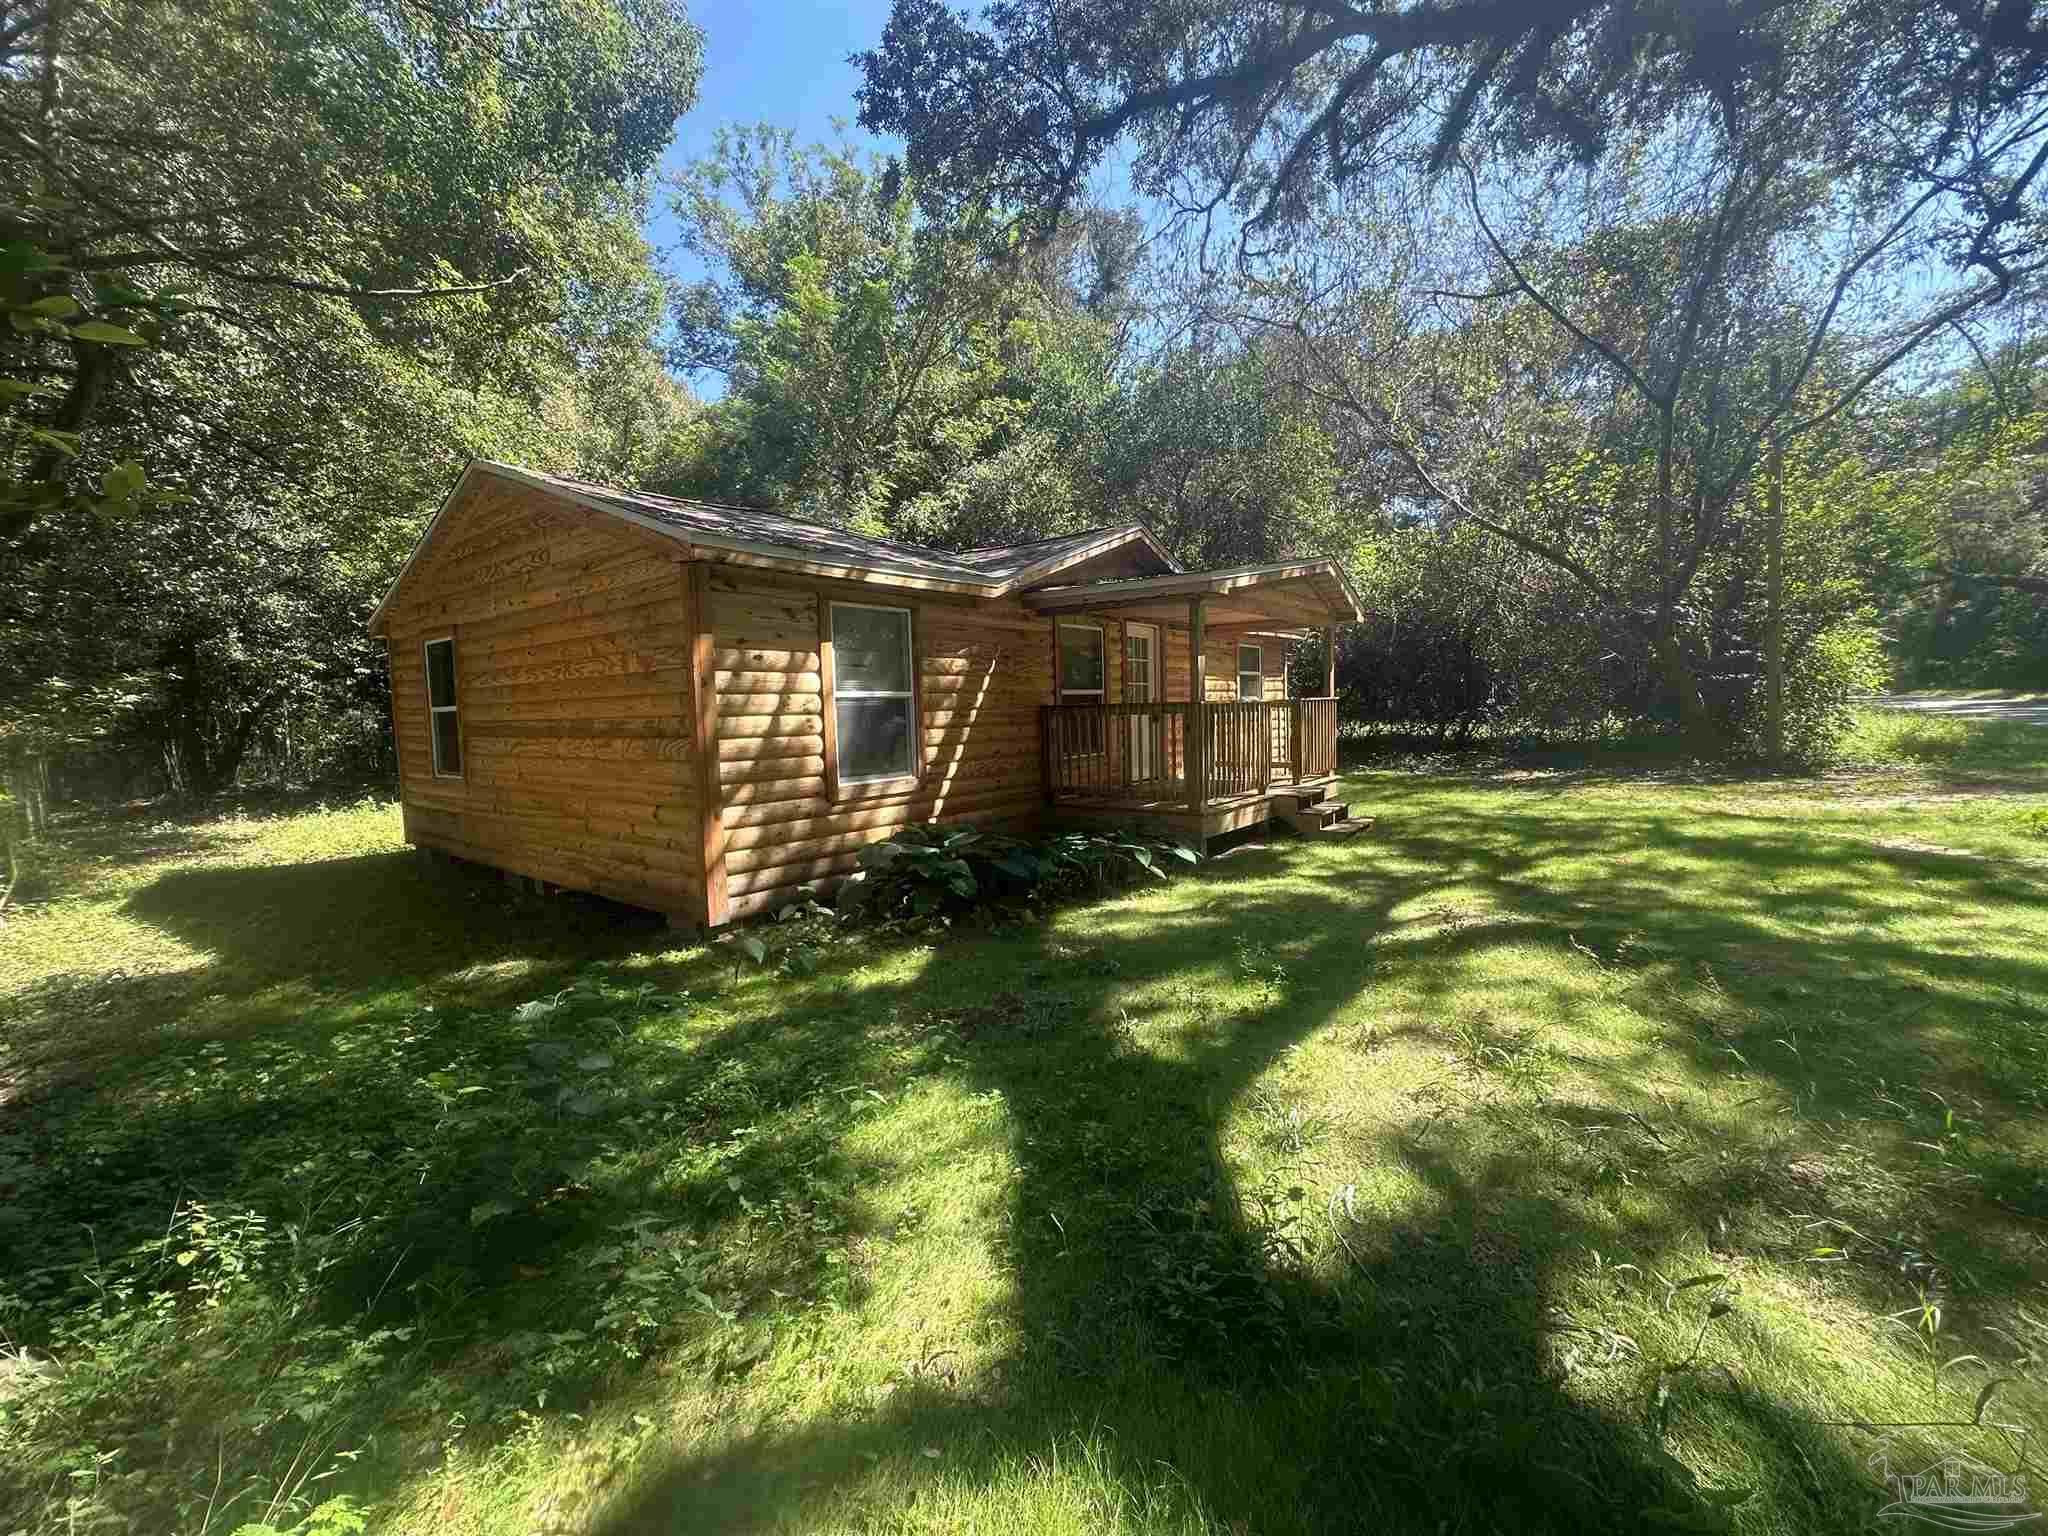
(781, 63)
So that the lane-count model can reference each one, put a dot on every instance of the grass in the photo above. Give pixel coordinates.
(1932, 751)
(1593, 1146)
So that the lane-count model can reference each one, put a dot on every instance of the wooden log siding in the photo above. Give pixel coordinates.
(983, 669)
(630, 722)
(573, 698)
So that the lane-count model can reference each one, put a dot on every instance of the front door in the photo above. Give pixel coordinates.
(1141, 676)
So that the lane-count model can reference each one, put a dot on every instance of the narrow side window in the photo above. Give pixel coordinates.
(1083, 678)
(443, 727)
(1251, 672)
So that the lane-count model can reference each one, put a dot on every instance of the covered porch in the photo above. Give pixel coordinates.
(1225, 753)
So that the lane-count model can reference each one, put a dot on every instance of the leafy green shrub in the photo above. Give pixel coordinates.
(1822, 677)
(930, 873)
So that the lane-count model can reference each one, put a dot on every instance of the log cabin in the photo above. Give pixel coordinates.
(707, 710)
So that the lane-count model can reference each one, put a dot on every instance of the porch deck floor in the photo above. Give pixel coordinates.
(1170, 795)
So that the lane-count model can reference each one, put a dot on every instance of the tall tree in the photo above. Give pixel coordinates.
(876, 362)
(1263, 109)
(1215, 447)
(362, 240)
(1650, 182)
(177, 159)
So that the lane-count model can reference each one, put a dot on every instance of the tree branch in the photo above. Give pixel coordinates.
(1620, 363)
(2038, 585)
(343, 291)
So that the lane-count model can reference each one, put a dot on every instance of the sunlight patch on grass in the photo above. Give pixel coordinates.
(1447, 1178)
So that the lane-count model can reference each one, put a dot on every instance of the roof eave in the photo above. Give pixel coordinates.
(1086, 595)
(780, 557)
(688, 543)
(693, 543)
(772, 557)
(1112, 540)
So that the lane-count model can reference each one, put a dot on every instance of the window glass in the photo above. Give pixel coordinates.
(870, 649)
(1138, 666)
(447, 744)
(871, 693)
(441, 673)
(442, 728)
(874, 738)
(1080, 659)
(1251, 672)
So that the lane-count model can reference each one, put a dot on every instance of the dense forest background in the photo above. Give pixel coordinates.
(1610, 426)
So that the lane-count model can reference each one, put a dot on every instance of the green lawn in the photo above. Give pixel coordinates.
(1576, 1151)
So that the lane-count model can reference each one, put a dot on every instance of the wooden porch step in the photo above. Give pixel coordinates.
(1342, 827)
(1318, 816)
(1315, 794)
(1330, 819)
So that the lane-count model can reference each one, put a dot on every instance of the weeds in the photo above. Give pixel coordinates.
(1514, 1056)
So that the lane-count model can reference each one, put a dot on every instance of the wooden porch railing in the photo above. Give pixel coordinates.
(1240, 755)
(1114, 751)
(1138, 753)
(1315, 733)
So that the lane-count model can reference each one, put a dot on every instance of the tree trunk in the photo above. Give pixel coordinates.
(1695, 722)
(231, 749)
(1774, 596)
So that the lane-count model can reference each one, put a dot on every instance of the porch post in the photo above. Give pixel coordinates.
(1198, 709)
(1330, 661)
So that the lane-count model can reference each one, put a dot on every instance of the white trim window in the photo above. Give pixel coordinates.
(874, 697)
(444, 724)
(1141, 650)
(1084, 679)
(1251, 671)
(1083, 672)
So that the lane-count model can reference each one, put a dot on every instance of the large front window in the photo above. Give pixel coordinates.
(872, 699)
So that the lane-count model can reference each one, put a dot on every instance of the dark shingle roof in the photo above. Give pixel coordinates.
(722, 522)
(770, 538)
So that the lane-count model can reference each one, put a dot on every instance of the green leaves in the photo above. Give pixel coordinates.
(66, 443)
(51, 315)
(107, 334)
(123, 482)
(925, 873)
(873, 372)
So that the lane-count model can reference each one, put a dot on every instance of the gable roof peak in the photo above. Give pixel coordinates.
(759, 536)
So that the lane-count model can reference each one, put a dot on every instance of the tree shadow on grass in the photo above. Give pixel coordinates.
(279, 943)
(399, 916)
(1165, 1322)
(1417, 1389)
